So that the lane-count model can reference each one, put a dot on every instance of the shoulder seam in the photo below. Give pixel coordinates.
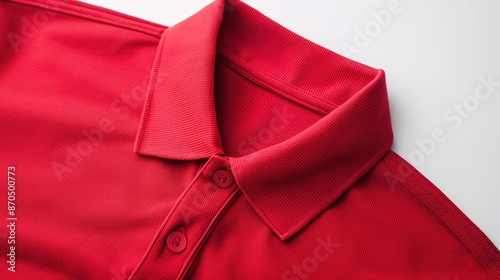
(96, 13)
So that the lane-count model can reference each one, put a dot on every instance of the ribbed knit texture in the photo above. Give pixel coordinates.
(224, 147)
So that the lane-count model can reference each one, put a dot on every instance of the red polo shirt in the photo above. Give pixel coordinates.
(224, 147)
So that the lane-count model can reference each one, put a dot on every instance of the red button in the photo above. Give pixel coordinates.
(223, 178)
(177, 241)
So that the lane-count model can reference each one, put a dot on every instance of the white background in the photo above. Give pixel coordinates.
(433, 53)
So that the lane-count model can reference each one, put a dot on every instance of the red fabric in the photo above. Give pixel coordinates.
(224, 147)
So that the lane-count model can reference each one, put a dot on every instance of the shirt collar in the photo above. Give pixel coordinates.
(290, 183)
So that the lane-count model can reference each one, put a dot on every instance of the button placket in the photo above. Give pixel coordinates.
(188, 223)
